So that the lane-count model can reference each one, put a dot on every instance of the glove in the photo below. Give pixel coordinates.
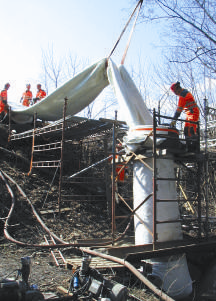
(173, 123)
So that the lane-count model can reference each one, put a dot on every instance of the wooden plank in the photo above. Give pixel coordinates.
(55, 211)
(63, 291)
(96, 263)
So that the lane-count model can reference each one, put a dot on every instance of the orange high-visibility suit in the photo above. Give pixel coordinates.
(40, 94)
(187, 103)
(3, 101)
(26, 98)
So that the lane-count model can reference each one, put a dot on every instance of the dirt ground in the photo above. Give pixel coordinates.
(85, 220)
(44, 273)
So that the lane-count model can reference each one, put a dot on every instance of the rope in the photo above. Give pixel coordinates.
(132, 31)
(123, 31)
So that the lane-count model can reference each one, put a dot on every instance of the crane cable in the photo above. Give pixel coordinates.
(139, 4)
(132, 30)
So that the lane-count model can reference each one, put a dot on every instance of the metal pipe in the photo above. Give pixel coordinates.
(62, 154)
(133, 212)
(114, 176)
(154, 181)
(9, 123)
(33, 143)
(206, 165)
(93, 165)
(140, 276)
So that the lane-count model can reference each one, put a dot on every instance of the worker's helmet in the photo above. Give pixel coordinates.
(7, 86)
(174, 86)
(28, 86)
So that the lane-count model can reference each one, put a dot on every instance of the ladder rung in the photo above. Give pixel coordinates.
(169, 179)
(45, 149)
(54, 163)
(56, 254)
(161, 201)
(169, 222)
(177, 200)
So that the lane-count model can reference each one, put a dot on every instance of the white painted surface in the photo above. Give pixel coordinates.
(173, 272)
(166, 211)
(131, 102)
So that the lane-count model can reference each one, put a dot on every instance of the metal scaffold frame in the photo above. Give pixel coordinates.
(185, 160)
(61, 126)
(198, 220)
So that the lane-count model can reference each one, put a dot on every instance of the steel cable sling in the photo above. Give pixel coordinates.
(139, 4)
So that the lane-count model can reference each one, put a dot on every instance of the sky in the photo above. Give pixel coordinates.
(88, 29)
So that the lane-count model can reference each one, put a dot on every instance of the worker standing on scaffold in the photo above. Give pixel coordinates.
(187, 103)
(26, 98)
(40, 94)
(4, 103)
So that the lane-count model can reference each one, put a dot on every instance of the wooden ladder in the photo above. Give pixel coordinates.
(56, 254)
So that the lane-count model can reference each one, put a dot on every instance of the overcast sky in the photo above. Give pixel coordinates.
(88, 29)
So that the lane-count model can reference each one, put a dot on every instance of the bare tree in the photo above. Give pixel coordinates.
(142, 76)
(73, 65)
(190, 26)
(188, 33)
(56, 71)
(52, 69)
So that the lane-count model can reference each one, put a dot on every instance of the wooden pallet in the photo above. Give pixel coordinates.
(96, 263)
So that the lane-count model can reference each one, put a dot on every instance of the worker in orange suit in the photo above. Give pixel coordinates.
(26, 98)
(3, 102)
(40, 94)
(187, 103)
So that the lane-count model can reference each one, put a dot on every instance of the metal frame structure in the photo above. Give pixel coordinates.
(74, 132)
(192, 163)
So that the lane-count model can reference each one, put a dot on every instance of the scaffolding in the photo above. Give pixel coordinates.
(195, 184)
(189, 164)
(69, 149)
(80, 153)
